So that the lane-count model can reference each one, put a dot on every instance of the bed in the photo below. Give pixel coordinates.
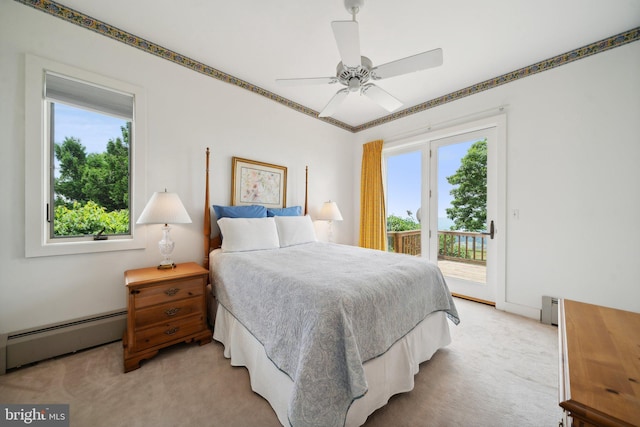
(328, 332)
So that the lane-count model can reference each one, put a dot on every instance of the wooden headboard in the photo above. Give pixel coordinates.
(214, 242)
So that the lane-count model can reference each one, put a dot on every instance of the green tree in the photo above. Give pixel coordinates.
(396, 223)
(100, 177)
(92, 191)
(72, 158)
(117, 161)
(469, 206)
(78, 220)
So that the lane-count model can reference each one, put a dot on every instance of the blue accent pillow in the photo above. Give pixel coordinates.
(252, 211)
(291, 211)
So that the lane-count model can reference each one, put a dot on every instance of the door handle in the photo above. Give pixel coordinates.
(492, 230)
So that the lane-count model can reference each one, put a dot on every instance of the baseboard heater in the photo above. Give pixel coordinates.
(33, 345)
(549, 314)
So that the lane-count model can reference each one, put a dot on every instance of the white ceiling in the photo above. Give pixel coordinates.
(262, 40)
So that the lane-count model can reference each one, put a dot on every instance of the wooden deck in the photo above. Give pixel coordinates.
(461, 270)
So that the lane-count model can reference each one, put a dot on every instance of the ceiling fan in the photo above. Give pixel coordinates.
(356, 72)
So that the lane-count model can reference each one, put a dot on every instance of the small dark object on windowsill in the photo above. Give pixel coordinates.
(100, 236)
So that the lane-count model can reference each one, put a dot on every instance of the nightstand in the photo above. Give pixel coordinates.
(165, 307)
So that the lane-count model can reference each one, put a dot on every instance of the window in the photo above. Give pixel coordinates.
(89, 140)
(84, 142)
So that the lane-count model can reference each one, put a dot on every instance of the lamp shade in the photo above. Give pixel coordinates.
(164, 208)
(330, 212)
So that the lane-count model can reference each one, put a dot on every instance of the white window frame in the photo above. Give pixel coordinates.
(38, 158)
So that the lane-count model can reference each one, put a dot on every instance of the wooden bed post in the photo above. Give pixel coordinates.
(207, 217)
(306, 188)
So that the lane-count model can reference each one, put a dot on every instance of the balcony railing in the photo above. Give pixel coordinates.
(461, 246)
(404, 242)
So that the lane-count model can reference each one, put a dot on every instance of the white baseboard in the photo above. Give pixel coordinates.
(521, 310)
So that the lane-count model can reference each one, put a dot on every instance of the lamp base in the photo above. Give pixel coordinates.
(166, 266)
(166, 246)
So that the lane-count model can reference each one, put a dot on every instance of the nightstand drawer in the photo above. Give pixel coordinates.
(168, 312)
(168, 331)
(169, 291)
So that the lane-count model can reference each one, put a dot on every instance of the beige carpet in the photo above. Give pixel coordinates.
(500, 370)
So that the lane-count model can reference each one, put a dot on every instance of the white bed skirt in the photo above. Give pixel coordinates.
(386, 375)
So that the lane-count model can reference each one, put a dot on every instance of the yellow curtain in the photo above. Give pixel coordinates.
(373, 223)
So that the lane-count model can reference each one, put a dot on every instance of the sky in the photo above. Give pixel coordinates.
(93, 130)
(404, 179)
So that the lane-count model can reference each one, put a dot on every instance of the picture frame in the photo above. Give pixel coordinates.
(258, 183)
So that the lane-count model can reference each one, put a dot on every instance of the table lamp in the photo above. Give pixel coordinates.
(165, 208)
(330, 213)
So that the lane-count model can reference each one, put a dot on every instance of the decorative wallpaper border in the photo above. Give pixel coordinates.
(545, 65)
(70, 15)
(85, 21)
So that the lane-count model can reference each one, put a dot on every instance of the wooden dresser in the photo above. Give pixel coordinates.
(599, 365)
(165, 307)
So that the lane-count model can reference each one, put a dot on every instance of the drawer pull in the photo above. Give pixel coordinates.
(172, 330)
(172, 291)
(172, 311)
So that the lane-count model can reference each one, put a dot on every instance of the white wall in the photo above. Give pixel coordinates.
(573, 172)
(186, 113)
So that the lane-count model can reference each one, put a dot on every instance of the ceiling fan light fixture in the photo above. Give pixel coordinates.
(344, 74)
(354, 84)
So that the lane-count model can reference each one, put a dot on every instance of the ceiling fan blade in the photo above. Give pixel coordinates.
(335, 102)
(381, 97)
(348, 41)
(421, 61)
(306, 81)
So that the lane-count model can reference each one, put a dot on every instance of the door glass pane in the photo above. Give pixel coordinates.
(404, 187)
(462, 210)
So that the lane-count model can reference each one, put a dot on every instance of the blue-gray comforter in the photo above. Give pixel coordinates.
(321, 310)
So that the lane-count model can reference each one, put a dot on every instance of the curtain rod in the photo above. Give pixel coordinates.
(430, 126)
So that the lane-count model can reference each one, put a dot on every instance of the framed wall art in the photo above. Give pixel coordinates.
(258, 183)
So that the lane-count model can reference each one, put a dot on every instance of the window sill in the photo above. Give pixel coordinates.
(86, 246)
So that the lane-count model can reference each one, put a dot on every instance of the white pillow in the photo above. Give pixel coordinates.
(248, 234)
(295, 230)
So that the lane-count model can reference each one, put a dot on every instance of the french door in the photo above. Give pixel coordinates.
(471, 256)
(464, 214)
